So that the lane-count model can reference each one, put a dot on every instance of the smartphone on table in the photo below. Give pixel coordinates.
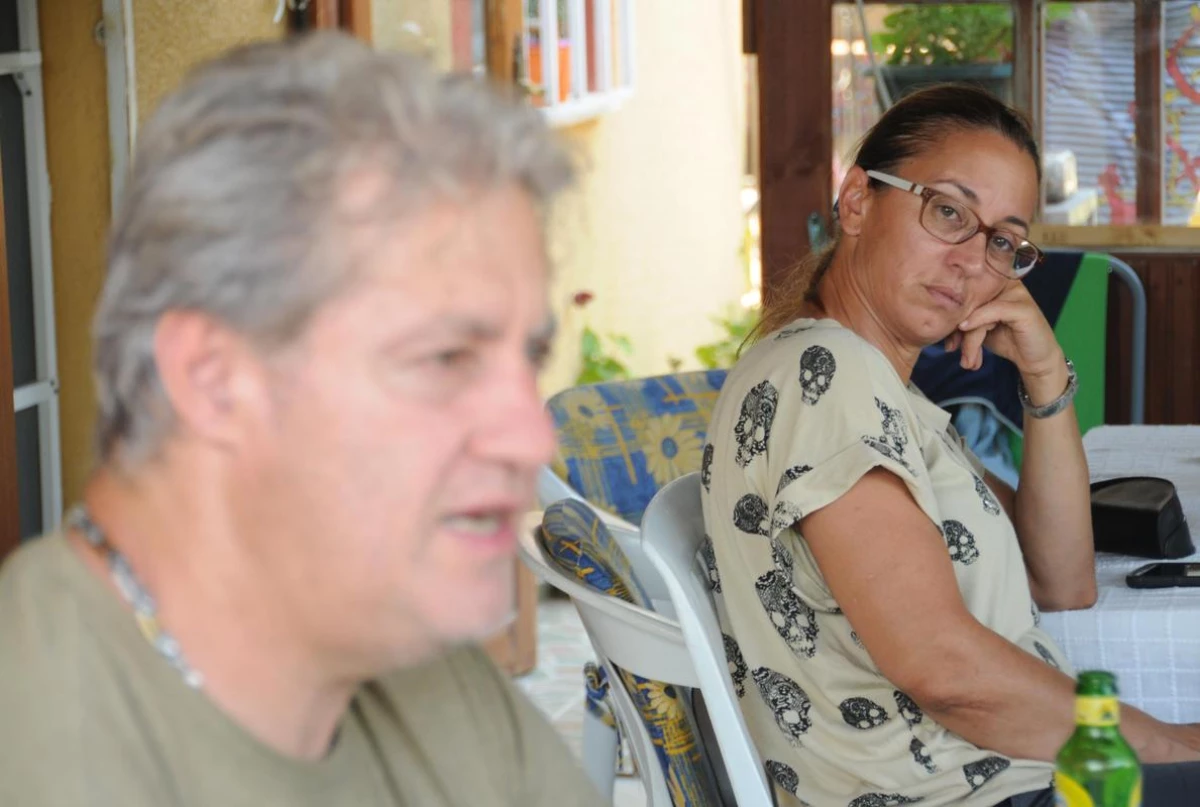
(1165, 575)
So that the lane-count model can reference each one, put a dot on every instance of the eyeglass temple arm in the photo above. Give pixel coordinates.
(897, 182)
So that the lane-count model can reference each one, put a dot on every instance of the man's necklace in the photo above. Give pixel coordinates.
(145, 610)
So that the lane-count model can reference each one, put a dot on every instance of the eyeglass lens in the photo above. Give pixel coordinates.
(947, 219)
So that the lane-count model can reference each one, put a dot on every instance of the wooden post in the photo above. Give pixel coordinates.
(325, 13)
(1148, 81)
(795, 90)
(10, 521)
(515, 649)
(1027, 19)
(355, 17)
(503, 23)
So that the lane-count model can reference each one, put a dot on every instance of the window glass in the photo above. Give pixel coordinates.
(913, 46)
(1181, 113)
(1088, 107)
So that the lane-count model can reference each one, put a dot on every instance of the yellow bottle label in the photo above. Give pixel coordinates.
(1097, 711)
(1069, 793)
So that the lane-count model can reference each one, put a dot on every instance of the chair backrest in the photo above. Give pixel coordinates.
(642, 650)
(620, 441)
(672, 535)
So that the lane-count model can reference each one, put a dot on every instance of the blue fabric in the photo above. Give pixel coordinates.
(985, 435)
(582, 546)
(595, 686)
(620, 441)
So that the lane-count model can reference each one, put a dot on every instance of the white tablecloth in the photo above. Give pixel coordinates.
(1149, 637)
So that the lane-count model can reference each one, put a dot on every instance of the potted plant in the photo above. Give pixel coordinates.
(929, 44)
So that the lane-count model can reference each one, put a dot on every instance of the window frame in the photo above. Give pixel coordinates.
(508, 55)
(25, 66)
(1149, 232)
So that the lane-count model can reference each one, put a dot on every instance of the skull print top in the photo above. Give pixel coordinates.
(801, 418)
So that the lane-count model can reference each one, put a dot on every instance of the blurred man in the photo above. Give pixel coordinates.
(316, 355)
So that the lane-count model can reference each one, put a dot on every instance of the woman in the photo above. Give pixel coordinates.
(879, 589)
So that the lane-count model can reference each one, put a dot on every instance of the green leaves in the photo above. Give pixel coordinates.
(603, 357)
(947, 34)
(598, 364)
(724, 352)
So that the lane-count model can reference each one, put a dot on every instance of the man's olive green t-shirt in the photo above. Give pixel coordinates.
(90, 714)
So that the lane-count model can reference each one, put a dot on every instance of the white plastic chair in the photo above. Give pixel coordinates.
(672, 532)
(600, 743)
(637, 640)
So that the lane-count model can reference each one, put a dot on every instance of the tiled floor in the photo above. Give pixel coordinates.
(556, 685)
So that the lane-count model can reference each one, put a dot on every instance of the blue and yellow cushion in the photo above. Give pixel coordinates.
(582, 546)
(595, 695)
(620, 441)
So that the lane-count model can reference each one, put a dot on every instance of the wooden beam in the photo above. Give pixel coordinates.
(795, 90)
(355, 17)
(749, 29)
(502, 19)
(1026, 54)
(1115, 237)
(1148, 80)
(10, 521)
(325, 13)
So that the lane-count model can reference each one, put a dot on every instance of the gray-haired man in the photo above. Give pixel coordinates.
(316, 356)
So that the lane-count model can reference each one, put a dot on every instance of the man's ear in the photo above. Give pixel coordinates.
(854, 199)
(209, 374)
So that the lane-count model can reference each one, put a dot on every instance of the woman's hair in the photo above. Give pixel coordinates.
(911, 126)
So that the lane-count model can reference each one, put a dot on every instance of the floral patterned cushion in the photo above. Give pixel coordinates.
(620, 441)
(577, 540)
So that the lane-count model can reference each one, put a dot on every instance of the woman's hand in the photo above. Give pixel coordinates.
(1011, 326)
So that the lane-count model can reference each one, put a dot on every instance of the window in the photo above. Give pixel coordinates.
(1181, 113)
(882, 52)
(856, 101)
(583, 70)
(1087, 83)
(1113, 88)
(26, 209)
(577, 56)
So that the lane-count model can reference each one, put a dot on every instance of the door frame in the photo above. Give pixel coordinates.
(25, 65)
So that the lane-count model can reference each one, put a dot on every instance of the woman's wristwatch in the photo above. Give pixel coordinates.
(1058, 404)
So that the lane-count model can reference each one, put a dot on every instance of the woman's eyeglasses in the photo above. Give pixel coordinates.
(952, 222)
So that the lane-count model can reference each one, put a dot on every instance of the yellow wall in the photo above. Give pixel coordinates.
(655, 228)
(421, 26)
(76, 109)
(171, 36)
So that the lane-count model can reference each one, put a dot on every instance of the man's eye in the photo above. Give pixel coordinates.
(457, 358)
(539, 354)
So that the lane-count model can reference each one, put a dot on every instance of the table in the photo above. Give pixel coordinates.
(1149, 637)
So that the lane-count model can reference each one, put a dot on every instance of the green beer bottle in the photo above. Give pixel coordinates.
(1097, 768)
